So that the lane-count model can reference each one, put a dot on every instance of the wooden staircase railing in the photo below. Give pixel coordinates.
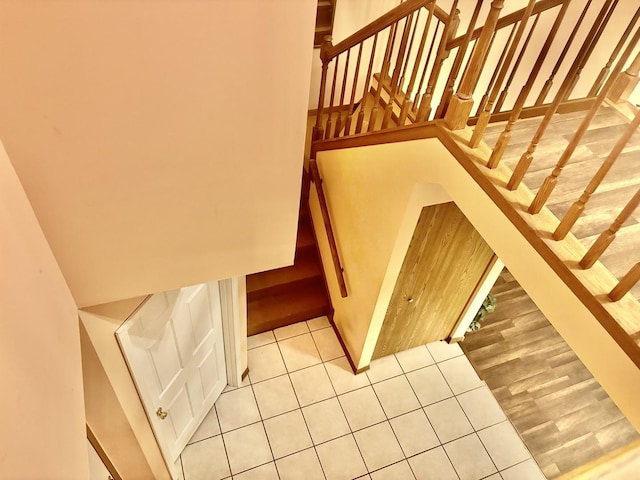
(408, 81)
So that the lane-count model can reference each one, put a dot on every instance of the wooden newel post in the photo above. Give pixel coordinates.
(626, 82)
(318, 131)
(461, 103)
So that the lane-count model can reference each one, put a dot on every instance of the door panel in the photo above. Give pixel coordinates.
(445, 261)
(175, 351)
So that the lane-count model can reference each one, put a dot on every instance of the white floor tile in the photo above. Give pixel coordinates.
(448, 420)
(208, 428)
(527, 470)
(414, 358)
(364, 477)
(299, 352)
(495, 476)
(396, 396)
(287, 434)
(247, 448)
(265, 362)
(264, 472)
(342, 376)
(469, 458)
(400, 470)
(245, 382)
(275, 396)
(481, 407)
(378, 446)
(265, 338)
(442, 350)
(318, 323)
(325, 420)
(340, 459)
(383, 368)
(205, 460)
(414, 432)
(504, 445)
(429, 385)
(237, 408)
(460, 375)
(291, 330)
(328, 344)
(312, 385)
(303, 465)
(432, 464)
(361, 407)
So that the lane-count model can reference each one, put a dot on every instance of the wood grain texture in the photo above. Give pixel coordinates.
(563, 415)
(445, 261)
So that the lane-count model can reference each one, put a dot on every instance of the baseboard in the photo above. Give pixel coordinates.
(352, 364)
(244, 374)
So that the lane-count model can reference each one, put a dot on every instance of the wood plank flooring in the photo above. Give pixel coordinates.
(562, 413)
(620, 184)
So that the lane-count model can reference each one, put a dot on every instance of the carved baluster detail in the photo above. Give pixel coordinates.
(419, 100)
(609, 235)
(549, 83)
(626, 82)
(626, 283)
(396, 72)
(383, 75)
(461, 103)
(347, 124)
(407, 57)
(318, 132)
(343, 89)
(550, 182)
(327, 128)
(367, 81)
(578, 207)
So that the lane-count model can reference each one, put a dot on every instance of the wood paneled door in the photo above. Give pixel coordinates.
(444, 265)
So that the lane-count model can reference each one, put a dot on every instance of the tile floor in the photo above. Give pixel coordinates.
(302, 414)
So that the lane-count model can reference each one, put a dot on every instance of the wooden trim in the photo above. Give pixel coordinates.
(398, 134)
(312, 112)
(507, 20)
(315, 176)
(385, 21)
(102, 454)
(352, 364)
(604, 465)
(589, 300)
(570, 106)
(454, 340)
(245, 373)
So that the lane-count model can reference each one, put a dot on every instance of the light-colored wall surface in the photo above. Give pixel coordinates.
(160, 143)
(43, 431)
(369, 188)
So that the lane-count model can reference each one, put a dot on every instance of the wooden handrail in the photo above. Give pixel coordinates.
(315, 176)
(385, 21)
(507, 20)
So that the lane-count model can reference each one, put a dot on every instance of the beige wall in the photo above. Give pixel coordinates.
(370, 189)
(42, 434)
(160, 143)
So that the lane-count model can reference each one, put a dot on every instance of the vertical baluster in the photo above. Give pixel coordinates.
(327, 128)
(461, 103)
(417, 101)
(485, 98)
(386, 60)
(550, 182)
(367, 81)
(609, 235)
(626, 284)
(408, 104)
(590, 48)
(442, 53)
(483, 120)
(407, 57)
(318, 132)
(514, 70)
(343, 89)
(505, 136)
(578, 206)
(626, 82)
(455, 69)
(527, 156)
(347, 124)
(396, 72)
(549, 83)
(605, 70)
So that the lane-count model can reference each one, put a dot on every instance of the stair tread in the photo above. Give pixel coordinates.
(306, 266)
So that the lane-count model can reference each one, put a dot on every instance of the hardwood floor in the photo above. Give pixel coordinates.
(562, 413)
(620, 184)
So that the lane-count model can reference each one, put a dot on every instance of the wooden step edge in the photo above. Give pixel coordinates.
(283, 288)
(611, 466)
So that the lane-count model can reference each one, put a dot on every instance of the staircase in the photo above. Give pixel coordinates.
(287, 295)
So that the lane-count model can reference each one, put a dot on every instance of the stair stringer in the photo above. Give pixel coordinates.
(370, 191)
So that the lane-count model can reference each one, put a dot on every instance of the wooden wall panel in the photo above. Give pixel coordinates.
(445, 261)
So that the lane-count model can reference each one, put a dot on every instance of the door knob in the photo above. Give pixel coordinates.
(161, 413)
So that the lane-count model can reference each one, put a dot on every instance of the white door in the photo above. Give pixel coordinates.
(175, 351)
